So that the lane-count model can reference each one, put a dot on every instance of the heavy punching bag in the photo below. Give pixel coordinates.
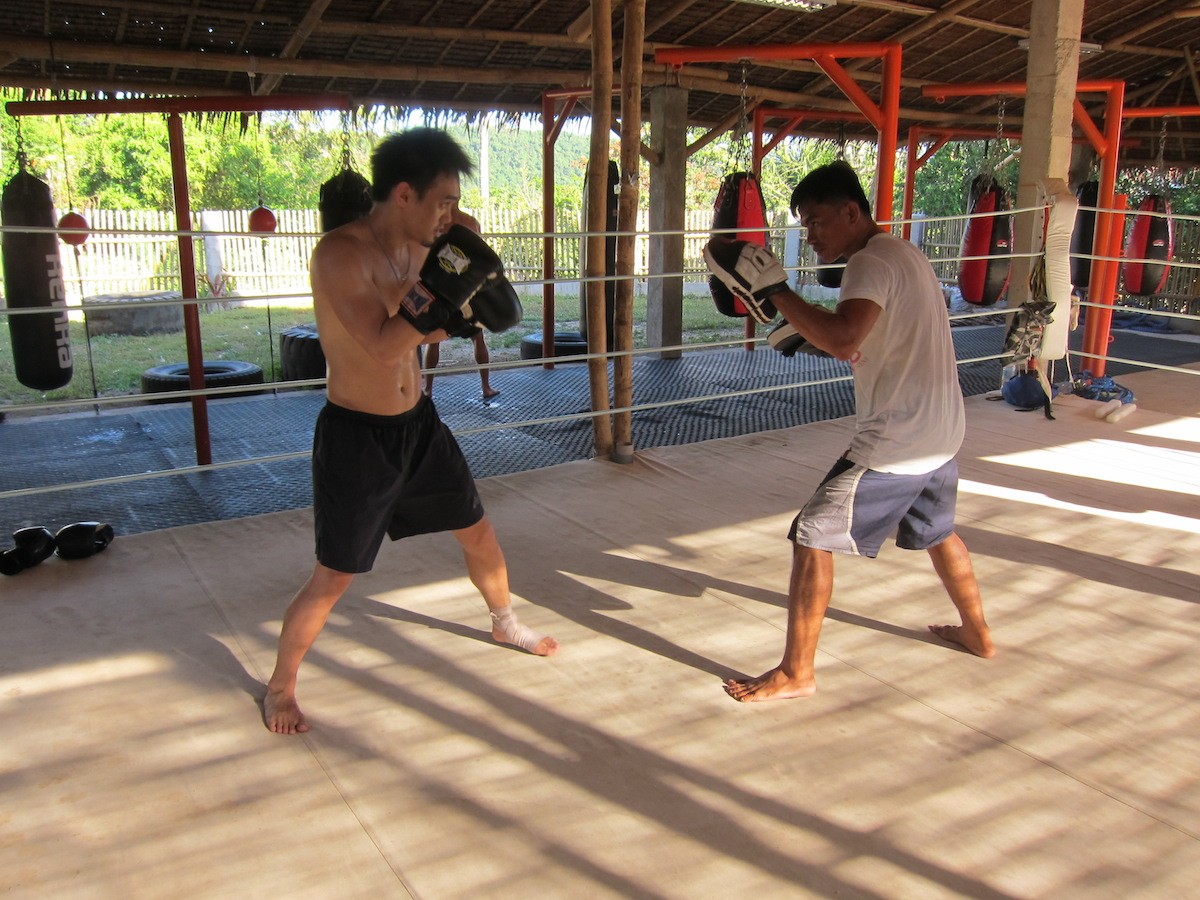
(1083, 237)
(33, 279)
(1149, 248)
(611, 193)
(739, 204)
(344, 197)
(831, 276)
(983, 281)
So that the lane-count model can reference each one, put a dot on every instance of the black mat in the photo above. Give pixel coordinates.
(53, 450)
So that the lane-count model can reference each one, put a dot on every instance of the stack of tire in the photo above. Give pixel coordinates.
(300, 354)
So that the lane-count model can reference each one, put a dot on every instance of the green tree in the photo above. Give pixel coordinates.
(941, 185)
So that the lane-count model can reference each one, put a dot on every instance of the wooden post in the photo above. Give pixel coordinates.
(627, 209)
(602, 59)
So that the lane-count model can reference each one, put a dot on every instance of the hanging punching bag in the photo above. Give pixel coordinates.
(1084, 235)
(831, 276)
(33, 279)
(611, 194)
(739, 204)
(1149, 248)
(983, 281)
(344, 197)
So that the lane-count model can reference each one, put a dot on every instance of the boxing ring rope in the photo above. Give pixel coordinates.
(298, 455)
(275, 387)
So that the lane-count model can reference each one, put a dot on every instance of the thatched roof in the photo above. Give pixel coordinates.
(474, 56)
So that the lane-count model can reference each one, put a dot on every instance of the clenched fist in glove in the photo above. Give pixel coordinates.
(751, 272)
(461, 284)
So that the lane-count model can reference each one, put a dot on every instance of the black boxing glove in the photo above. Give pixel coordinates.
(496, 307)
(32, 546)
(459, 263)
(82, 539)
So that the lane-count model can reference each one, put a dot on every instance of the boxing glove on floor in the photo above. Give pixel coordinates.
(82, 539)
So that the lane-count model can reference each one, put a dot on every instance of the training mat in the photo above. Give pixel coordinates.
(440, 765)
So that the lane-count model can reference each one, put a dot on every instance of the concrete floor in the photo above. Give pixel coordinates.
(135, 763)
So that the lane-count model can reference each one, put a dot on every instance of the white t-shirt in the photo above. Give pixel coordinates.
(908, 404)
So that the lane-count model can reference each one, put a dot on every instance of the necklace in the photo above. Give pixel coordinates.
(386, 255)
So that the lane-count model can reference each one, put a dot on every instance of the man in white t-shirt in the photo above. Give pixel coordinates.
(899, 474)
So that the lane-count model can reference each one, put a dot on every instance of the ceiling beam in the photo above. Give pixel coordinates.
(1192, 10)
(438, 33)
(295, 43)
(77, 52)
(182, 10)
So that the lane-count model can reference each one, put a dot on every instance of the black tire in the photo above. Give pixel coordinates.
(217, 373)
(566, 343)
(300, 353)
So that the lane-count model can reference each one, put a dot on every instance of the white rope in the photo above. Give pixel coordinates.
(548, 420)
(1135, 362)
(217, 392)
(1141, 309)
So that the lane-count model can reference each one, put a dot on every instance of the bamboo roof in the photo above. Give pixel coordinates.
(471, 57)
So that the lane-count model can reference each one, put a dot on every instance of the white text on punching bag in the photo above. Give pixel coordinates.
(58, 295)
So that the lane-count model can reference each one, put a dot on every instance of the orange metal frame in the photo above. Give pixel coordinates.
(173, 107)
(1107, 143)
(916, 159)
(883, 115)
(794, 117)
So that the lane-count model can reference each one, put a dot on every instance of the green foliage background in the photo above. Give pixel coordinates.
(122, 161)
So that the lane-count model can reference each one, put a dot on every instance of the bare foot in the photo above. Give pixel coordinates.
(773, 685)
(282, 715)
(490, 393)
(967, 638)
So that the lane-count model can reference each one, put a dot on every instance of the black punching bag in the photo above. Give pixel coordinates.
(344, 197)
(1084, 235)
(33, 279)
(831, 277)
(611, 194)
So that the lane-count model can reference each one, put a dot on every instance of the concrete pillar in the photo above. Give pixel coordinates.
(668, 137)
(1051, 74)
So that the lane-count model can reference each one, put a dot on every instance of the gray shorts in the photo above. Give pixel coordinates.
(855, 509)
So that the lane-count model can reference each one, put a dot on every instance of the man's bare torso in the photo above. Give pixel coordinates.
(355, 294)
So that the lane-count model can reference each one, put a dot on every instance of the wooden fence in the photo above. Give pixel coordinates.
(131, 251)
(137, 251)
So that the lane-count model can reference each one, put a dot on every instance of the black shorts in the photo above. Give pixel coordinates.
(400, 475)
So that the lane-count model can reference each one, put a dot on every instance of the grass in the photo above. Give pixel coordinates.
(244, 333)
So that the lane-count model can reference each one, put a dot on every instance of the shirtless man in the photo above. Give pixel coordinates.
(433, 351)
(382, 459)
(899, 474)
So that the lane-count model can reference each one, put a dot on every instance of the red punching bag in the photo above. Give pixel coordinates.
(739, 204)
(33, 279)
(1149, 248)
(983, 281)
(1083, 236)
